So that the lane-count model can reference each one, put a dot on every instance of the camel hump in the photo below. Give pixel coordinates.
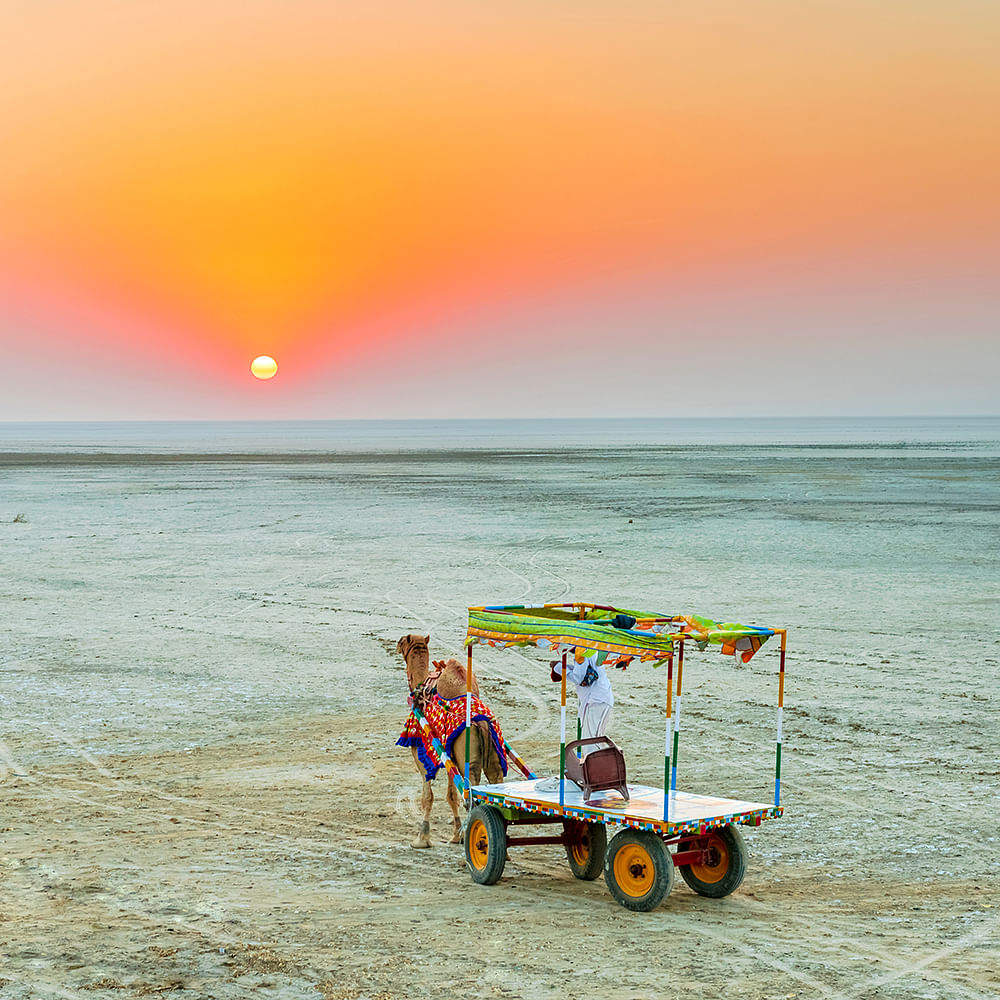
(451, 682)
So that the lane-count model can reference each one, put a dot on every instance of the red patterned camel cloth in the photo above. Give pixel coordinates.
(447, 718)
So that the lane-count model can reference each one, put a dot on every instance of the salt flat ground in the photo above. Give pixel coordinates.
(200, 696)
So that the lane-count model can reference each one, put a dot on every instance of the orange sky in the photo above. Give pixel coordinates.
(186, 185)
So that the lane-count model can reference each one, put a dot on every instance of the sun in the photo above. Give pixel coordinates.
(264, 367)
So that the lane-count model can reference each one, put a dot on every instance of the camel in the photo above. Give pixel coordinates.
(448, 682)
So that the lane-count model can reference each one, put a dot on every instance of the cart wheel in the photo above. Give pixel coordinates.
(486, 845)
(585, 847)
(639, 869)
(723, 872)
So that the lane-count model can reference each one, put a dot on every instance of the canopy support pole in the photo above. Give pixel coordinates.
(677, 719)
(468, 721)
(668, 740)
(781, 703)
(562, 736)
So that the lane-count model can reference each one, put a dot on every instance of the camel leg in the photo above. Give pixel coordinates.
(453, 801)
(491, 760)
(426, 801)
(476, 753)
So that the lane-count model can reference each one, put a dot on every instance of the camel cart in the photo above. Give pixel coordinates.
(659, 829)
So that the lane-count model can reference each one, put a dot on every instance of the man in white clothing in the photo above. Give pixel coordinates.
(593, 689)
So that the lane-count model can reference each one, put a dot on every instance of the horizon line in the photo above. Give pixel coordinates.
(505, 419)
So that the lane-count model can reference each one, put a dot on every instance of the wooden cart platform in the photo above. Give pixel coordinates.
(688, 813)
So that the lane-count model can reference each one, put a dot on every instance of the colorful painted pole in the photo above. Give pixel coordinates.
(781, 704)
(666, 748)
(449, 764)
(468, 721)
(516, 758)
(562, 737)
(581, 614)
(677, 719)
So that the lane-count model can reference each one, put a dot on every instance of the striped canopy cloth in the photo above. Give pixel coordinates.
(613, 633)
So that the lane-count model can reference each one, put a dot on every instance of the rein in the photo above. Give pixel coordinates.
(425, 690)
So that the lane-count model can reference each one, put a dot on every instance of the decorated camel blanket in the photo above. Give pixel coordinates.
(447, 718)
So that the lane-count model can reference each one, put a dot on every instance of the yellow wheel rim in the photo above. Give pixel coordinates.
(479, 844)
(580, 847)
(634, 870)
(714, 870)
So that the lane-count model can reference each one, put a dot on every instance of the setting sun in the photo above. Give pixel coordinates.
(264, 367)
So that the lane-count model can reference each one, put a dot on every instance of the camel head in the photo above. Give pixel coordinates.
(415, 652)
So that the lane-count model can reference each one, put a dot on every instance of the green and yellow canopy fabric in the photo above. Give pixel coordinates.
(607, 631)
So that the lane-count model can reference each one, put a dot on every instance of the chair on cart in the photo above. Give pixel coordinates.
(601, 769)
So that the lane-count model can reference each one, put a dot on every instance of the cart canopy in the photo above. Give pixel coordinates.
(615, 634)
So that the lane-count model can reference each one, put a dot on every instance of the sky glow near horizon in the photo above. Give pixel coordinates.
(526, 209)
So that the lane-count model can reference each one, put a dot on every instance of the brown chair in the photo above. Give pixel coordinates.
(600, 769)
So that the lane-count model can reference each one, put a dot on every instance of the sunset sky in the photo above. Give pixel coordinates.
(554, 207)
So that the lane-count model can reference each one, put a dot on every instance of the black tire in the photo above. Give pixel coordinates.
(726, 868)
(638, 869)
(486, 845)
(586, 845)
